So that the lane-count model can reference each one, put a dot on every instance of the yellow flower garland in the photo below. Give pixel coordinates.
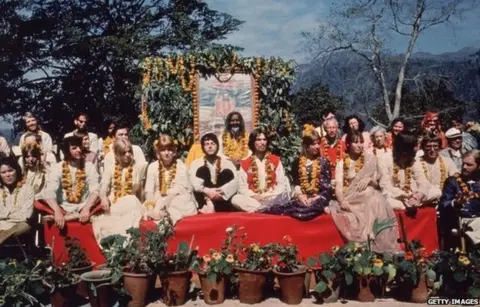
(268, 170)
(309, 187)
(408, 178)
(106, 144)
(121, 188)
(467, 194)
(443, 171)
(346, 167)
(163, 183)
(74, 196)
(235, 150)
(15, 193)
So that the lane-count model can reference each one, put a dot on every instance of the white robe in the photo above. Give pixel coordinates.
(126, 212)
(434, 174)
(13, 212)
(278, 194)
(47, 144)
(179, 201)
(54, 189)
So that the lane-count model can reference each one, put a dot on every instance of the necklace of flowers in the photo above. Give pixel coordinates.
(310, 187)
(106, 144)
(121, 188)
(268, 170)
(346, 166)
(218, 168)
(408, 177)
(74, 195)
(163, 183)
(443, 171)
(236, 150)
(338, 153)
(467, 194)
(16, 191)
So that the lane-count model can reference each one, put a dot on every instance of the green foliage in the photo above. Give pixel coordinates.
(182, 260)
(413, 263)
(257, 257)
(20, 283)
(331, 270)
(287, 261)
(77, 256)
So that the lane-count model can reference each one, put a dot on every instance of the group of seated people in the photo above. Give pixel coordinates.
(358, 179)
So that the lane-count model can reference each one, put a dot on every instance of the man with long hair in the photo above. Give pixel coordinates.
(234, 141)
(32, 127)
(81, 126)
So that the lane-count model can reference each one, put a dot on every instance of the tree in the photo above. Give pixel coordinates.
(309, 104)
(90, 51)
(364, 27)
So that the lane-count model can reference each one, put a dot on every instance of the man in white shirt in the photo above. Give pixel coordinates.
(80, 122)
(121, 131)
(454, 149)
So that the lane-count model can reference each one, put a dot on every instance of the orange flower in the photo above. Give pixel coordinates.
(229, 258)
(408, 256)
(287, 238)
(378, 263)
(206, 258)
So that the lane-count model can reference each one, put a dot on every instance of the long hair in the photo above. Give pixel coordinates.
(229, 118)
(13, 163)
(120, 146)
(67, 143)
(309, 137)
(30, 115)
(165, 141)
(395, 121)
(353, 137)
(34, 150)
(346, 125)
(253, 137)
(475, 153)
(403, 150)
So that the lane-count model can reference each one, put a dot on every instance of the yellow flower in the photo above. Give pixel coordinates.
(335, 248)
(206, 258)
(255, 247)
(357, 245)
(229, 258)
(348, 259)
(378, 263)
(464, 260)
(216, 256)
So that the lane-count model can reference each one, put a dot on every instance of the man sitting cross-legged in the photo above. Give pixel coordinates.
(72, 186)
(262, 180)
(213, 178)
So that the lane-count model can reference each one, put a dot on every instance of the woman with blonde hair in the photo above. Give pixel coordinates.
(167, 188)
(120, 193)
(34, 169)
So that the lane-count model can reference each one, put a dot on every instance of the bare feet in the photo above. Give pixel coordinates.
(208, 208)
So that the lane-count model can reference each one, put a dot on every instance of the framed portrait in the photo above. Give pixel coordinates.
(221, 94)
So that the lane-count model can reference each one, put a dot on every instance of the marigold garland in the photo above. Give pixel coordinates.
(467, 194)
(164, 184)
(218, 168)
(346, 166)
(236, 150)
(268, 170)
(16, 191)
(408, 178)
(443, 171)
(309, 187)
(106, 144)
(74, 195)
(122, 188)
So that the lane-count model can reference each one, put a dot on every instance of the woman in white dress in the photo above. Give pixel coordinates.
(120, 190)
(167, 189)
(34, 168)
(378, 136)
(17, 200)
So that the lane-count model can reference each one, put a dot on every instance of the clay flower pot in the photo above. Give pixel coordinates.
(175, 288)
(332, 293)
(292, 286)
(82, 288)
(365, 293)
(100, 292)
(213, 291)
(251, 285)
(420, 291)
(64, 297)
(137, 286)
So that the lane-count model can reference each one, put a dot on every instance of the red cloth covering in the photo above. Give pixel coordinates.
(311, 237)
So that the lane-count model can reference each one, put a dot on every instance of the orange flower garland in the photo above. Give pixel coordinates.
(235, 150)
(346, 167)
(408, 178)
(163, 183)
(218, 168)
(73, 196)
(121, 188)
(309, 187)
(268, 170)
(443, 171)
(15, 193)
(106, 144)
(467, 194)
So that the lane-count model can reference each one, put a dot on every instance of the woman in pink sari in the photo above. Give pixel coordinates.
(359, 202)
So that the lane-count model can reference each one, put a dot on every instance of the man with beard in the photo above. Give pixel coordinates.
(454, 149)
(213, 178)
(32, 127)
(234, 145)
(80, 122)
(262, 180)
(435, 167)
(332, 147)
(461, 197)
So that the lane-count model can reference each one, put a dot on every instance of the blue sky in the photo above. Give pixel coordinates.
(272, 27)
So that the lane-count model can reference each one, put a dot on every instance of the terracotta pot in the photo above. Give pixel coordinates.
(365, 294)
(175, 288)
(100, 291)
(251, 285)
(292, 286)
(82, 288)
(420, 291)
(101, 266)
(137, 286)
(213, 291)
(64, 297)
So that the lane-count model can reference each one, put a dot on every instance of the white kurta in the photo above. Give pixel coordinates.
(433, 173)
(229, 189)
(127, 211)
(54, 189)
(419, 182)
(11, 212)
(179, 201)
(278, 194)
(38, 181)
(93, 138)
(47, 144)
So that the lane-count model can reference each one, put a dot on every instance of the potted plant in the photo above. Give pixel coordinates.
(63, 284)
(177, 275)
(328, 277)
(289, 272)
(78, 262)
(414, 271)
